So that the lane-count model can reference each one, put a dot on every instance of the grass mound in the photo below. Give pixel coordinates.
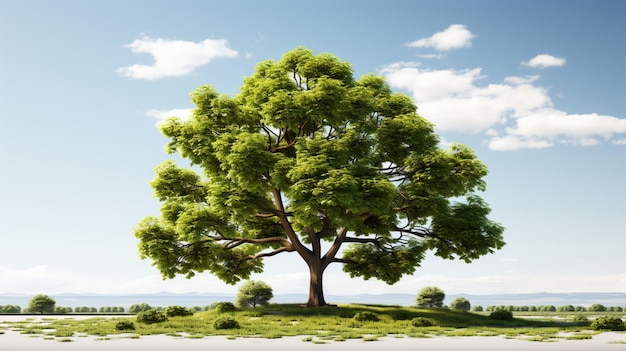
(324, 323)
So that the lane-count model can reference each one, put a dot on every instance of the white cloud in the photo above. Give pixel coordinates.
(521, 80)
(551, 123)
(452, 100)
(43, 279)
(454, 37)
(512, 142)
(431, 56)
(619, 142)
(545, 60)
(174, 58)
(162, 115)
(515, 114)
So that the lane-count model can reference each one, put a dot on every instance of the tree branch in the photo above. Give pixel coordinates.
(361, 240)
(269, 254)
(419, 231)
(232, 243)
(329, 257)
(284, 221)
(339, 260)
(284, 147)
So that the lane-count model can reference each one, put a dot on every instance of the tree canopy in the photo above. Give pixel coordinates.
(254, 293)
(41, 304)
(430, 296)
(307, 154)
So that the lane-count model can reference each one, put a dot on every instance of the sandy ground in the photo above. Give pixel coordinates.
(13, 341)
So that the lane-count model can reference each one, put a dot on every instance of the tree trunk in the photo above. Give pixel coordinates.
(316, 291)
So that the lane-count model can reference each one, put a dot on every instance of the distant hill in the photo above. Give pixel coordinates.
(203, 299)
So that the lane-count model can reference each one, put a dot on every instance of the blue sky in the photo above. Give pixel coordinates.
(536, 88)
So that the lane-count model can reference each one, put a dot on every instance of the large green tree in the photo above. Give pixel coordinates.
(304, 155)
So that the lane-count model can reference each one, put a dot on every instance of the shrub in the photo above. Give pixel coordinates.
(566, 308)
(596, 307)
(366, 317)
(178, 311)
(254, 293)
(430, 296)
(421, 322)
(151, 316)
(10, 309)
(460, 303)
(502, 315)
(226, 323)
(608, 323)
(60, 310)
(547, 308)
(221, 307)
(477, 308)
(125, 325)
(136, 308)
(580, 319)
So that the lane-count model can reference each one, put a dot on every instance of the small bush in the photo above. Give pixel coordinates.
(150, 317)
(596, 307)
(430, 297)
(178, 311)
(221, 307)
(226, 323)
(366, 317)
(460, 303)
(501, 315)
(10, 309)
(60, 310)
(421, 322)
(608, 323)
(125, 325)
(136, 308)
(580, 319)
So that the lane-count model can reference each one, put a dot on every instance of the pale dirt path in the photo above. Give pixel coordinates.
(13, 341)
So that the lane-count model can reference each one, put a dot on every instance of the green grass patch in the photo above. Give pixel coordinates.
(579, 337)
(331, 323)
(195, 336)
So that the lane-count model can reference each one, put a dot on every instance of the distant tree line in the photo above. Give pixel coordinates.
(259, 293)
(551, 308)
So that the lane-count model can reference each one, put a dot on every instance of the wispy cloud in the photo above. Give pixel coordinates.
(430, 56)
(545, 60)
(454, 37)
(43, 279)
(173, 58)
(162, 115)
(513, 114)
